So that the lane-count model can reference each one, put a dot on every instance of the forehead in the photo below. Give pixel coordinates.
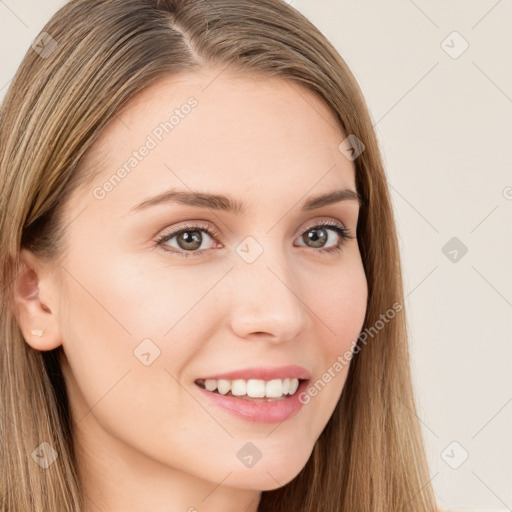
(223, 133)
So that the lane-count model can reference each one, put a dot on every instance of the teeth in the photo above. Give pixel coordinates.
(223, 386)
(254, 388)
(294, 384)
(210, 385)
(238, 387)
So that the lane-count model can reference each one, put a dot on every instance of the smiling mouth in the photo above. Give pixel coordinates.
(285, 396)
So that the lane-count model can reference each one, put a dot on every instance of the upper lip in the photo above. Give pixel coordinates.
(263, 373)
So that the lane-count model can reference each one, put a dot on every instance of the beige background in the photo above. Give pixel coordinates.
(444, 120)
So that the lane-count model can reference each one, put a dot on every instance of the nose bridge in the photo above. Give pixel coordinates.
(265, 299)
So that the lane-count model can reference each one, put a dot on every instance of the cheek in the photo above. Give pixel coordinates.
(339, 301)
(124, 373)
(155, 299)
(136, 299)
(120, 314)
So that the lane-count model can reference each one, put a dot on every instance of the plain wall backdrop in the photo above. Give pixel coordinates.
(437, 77)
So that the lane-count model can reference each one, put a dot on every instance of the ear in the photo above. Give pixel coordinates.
(35, 303)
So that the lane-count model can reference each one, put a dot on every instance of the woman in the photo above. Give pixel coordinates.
(203, 301)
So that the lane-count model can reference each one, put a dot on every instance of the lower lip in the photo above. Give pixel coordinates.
(259, 412)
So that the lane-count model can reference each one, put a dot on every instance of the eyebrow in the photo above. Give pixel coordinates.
(224, 203)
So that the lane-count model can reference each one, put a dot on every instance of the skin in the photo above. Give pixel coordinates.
(146, 437)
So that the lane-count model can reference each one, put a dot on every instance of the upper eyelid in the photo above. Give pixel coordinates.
(215, 233)
(208, 226)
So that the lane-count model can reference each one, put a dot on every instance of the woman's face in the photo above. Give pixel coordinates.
(141, 321)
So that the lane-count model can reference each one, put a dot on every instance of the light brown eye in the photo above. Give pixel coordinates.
(318, 237)
(189, 240)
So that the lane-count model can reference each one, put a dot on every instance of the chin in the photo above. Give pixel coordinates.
(266, 477)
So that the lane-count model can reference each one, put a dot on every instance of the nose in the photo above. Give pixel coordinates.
(267, 302)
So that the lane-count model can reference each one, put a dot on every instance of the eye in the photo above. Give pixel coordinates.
(189, 238)
(318, 235)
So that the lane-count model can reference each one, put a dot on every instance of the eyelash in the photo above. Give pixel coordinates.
(344, 233)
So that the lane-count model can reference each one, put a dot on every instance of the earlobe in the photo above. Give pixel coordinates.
(38, 324)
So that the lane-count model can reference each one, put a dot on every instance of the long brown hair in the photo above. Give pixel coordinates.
(94, 56)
